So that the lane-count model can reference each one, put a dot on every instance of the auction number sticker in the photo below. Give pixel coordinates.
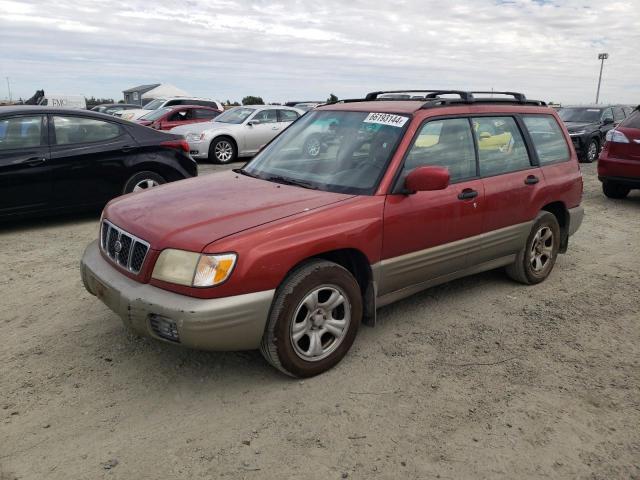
(386, 119)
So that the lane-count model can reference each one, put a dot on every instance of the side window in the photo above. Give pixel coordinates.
(204, 114)
(501, 148)
(179, 116)
(81, 130)
(633, 120)
(20, 132)
(618, 114)
(444, 143)
(267, 116)
(287, 115)
(608, 113)
(547, 138)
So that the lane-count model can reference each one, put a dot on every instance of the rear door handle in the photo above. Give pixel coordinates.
(127, 148)
(467, 194)
(531, 180)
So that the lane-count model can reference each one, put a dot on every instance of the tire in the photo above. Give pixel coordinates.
(535, 261)
(592, 151)
(143, 181)
(615, 190)
(223, 150)
(312, 146)
(292, 316)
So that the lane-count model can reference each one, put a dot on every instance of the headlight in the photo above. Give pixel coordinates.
(193, 269)
(580, 132)
(194, 137)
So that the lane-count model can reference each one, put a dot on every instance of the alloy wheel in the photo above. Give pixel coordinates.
(145, 184)
(223, 151)
(541, 252)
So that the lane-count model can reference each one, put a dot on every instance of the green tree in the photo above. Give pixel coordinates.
(251, 100)
(332, 98)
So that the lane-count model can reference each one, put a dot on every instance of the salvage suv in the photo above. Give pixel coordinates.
(290, 254)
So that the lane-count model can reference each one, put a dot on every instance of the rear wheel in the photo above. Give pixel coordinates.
(222, 150)
(535, 261)
(314, 319)
(143, 181)
(615, 190)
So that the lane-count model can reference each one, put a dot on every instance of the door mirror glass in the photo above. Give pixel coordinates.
(424, 179)
(607, 121)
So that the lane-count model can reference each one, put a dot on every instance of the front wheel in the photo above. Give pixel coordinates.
(615, 190)
(314, 319)
(535, 261)
(143, 181)
(222, 150)
(593, 149)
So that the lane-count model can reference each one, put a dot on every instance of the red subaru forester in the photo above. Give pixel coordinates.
(619, 162)
(293, 251)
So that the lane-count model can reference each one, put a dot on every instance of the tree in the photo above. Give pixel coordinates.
(332, 98)
(251, 100)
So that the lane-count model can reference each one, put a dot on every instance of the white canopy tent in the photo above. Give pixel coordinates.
(165, 90)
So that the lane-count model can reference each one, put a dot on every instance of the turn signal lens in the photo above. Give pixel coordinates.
(213, 269)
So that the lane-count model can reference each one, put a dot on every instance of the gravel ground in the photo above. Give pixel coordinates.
(479, 378)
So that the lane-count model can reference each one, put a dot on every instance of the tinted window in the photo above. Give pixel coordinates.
(180, 116)
(583, 115)
(287, 115)
(266, 116)
(547, 138)
(80, 130)
(204, 114)
(501, 148)
(205, 103)
(444, 143)
(20, 132)
(608, 113)
(632, 121)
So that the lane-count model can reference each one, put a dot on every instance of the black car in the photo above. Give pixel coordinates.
(59, 159)
(588, 126)
(110, 108)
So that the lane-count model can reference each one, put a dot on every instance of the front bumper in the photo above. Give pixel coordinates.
(199, 150)
(229, 323)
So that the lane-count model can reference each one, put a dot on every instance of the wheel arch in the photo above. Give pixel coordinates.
(559, 210)
(228, 136)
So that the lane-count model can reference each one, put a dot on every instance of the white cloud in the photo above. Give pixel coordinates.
(292, 49)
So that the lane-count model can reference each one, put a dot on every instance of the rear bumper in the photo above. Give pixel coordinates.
(576, 216)
(229, 323)
(618, 169)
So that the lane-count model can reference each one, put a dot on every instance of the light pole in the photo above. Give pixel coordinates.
(9, 88)
(602, 57)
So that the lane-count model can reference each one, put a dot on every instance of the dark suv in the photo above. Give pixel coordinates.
(588, 126)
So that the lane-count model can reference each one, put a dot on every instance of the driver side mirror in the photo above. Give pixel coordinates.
(255, 121)
(424, 179)
(607, 121)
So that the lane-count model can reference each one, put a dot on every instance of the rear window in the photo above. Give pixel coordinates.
(547, 138)
(632, 121)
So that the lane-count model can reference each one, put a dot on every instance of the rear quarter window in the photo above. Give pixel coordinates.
(547, 138)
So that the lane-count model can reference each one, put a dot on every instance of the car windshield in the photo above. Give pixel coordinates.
(155, 114)
(153, 104)
(235, 115)
(586, 115)
(336, 151)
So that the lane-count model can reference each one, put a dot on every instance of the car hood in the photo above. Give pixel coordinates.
(190, 214)
(577, 126)
(204, 126)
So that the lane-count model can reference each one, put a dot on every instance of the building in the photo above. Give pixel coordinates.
(134, 95)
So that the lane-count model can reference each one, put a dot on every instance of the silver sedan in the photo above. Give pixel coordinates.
(238, 132)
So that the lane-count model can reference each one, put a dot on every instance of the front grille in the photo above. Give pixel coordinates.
(125, 249)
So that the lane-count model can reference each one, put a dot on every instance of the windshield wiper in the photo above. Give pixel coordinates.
(242, 171)
(290, 181)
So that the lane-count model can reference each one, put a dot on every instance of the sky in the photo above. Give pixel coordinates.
(286, 50)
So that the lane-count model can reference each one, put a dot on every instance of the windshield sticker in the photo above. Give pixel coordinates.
(386, 119)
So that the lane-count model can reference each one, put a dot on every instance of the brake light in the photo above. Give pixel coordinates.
(177, 144)
(615, 136)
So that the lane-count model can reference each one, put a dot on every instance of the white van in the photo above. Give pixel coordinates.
(70, 101)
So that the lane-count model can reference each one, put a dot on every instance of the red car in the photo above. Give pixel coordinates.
(619, 162)
(167, 118)
(290, 254)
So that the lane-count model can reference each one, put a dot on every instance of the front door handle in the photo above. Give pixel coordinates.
(31, 161)
(467, 194)
(127, 148)
(531, 180)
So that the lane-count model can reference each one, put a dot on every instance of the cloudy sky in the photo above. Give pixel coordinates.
(288, 49)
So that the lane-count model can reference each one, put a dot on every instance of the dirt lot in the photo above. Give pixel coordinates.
(480, 378)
